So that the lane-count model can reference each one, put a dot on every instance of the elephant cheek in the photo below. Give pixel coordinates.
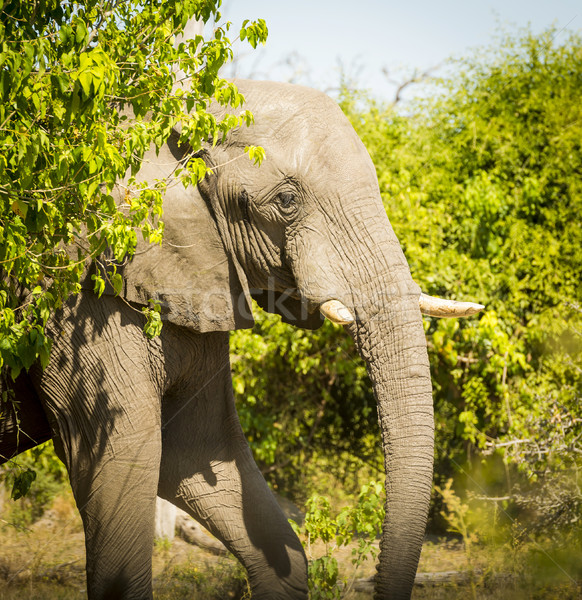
(319, 271)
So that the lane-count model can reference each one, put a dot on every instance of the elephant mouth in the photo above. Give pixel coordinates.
(339, 313)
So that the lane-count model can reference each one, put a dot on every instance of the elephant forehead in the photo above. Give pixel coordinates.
(342, 153)
(305, 134)
(312, 148)
(293, 115)
(334, 164)
(285, 100)
(324, 169)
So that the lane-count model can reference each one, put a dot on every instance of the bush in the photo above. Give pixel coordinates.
(50, 478)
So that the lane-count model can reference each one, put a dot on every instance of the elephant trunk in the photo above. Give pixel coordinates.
(389, 335)
(393, 345)
(367, 277)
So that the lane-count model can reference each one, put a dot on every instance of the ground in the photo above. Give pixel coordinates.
(46, 562)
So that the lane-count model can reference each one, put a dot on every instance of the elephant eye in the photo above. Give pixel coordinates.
(286, 201)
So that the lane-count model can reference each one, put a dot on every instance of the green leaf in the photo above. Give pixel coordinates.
(20, 207)
(256, 154)
(99, 286)
(117, 282)
(22, 483)
(153, 326)
(86, 80)
(64, 133)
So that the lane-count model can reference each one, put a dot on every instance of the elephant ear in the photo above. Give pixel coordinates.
(192, 275)
(292, 311)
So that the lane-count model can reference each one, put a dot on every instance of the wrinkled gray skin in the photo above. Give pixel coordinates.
(132, 418)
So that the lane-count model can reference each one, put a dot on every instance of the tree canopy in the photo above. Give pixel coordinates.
(69, 73)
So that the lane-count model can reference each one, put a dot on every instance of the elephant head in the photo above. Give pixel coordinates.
(306, 231)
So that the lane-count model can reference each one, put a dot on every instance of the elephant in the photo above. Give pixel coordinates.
(306, 235)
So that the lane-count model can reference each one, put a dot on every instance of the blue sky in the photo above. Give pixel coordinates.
(365, 36)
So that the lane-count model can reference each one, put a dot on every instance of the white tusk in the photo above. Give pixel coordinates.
(336, 312)
(437, 307)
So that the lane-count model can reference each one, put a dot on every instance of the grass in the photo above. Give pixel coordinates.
(45, 561)
(190, 581)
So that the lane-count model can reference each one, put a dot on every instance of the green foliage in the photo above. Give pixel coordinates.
(69, 72)
(327, 412)
(225, 578)
(153, 325)
(457, 515)
(256, 154)
(361, 522)
(34, 481)
(22, 483)
(496, 543)
(482, 184)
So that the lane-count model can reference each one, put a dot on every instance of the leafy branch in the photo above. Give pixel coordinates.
(70, 74)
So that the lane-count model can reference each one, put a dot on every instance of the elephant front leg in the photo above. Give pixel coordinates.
(118, 510)
(207, 469)
(115, 494)
(251, 527)
(230, 497)
(104, 410)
